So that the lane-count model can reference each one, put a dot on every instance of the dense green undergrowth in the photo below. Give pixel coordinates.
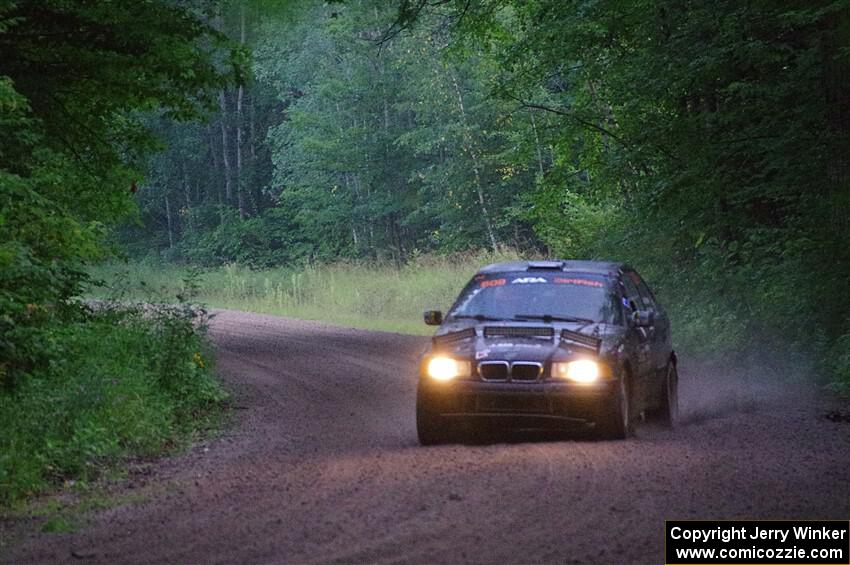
(121, 382)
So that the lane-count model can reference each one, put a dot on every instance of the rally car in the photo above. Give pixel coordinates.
(548, 345)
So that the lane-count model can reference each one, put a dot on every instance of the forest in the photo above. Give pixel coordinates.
(705, 143)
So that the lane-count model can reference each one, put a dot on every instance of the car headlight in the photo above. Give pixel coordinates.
(579, 371)
(446, 368)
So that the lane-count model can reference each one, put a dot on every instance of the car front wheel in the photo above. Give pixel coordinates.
(616, 421)
(430, 426)
(669, 411)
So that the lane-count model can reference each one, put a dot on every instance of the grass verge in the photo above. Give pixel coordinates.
(370, 296)
(121, 382)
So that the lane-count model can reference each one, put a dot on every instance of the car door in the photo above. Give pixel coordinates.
(639, 343)
(660, 335)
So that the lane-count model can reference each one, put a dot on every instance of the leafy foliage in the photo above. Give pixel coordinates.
(124, 381)
(358, 149)
(73, 78)
(705, 143)
(78, 82)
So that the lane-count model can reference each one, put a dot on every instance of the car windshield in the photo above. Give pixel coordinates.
(531, 296)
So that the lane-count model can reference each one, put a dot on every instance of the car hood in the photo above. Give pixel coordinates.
(526, 341)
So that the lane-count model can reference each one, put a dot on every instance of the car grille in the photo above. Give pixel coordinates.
(525, 371)
(494, 370)
(503, 371)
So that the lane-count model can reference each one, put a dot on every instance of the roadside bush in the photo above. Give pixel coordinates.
(262, 241)
(126, 381)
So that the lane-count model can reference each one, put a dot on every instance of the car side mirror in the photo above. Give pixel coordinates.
(643, 318)
(433, 317)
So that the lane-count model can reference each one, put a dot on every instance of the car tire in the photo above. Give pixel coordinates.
(430, 426)
(668, 413)
(616, 421)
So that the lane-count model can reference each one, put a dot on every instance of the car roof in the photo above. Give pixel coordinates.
(597, 267)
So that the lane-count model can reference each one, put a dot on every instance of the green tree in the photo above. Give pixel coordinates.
(704, 142)
(74, 79)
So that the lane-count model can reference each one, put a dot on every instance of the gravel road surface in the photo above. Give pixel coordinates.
(322, 465)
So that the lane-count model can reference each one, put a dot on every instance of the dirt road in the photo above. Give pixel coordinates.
(322, 466)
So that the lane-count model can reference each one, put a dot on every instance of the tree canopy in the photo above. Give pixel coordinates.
(76, 79)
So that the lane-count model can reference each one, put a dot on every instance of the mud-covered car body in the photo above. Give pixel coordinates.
(517, 332)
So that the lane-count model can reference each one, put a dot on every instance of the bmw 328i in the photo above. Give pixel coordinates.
(548, 345)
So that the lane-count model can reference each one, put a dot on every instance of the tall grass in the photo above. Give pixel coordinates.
(371, 296)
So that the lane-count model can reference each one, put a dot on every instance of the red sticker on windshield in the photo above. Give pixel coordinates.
(494, 282)
(581, 282)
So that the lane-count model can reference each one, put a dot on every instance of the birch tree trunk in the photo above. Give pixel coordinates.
(537, 144)
(476, 167)
(240, 95)
(169, 223)
(187, 192)
(216, 171)
(225, 148)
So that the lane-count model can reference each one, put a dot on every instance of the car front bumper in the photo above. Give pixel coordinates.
(539, 403)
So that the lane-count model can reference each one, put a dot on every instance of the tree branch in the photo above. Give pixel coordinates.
(572, 116)
(588, 124)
